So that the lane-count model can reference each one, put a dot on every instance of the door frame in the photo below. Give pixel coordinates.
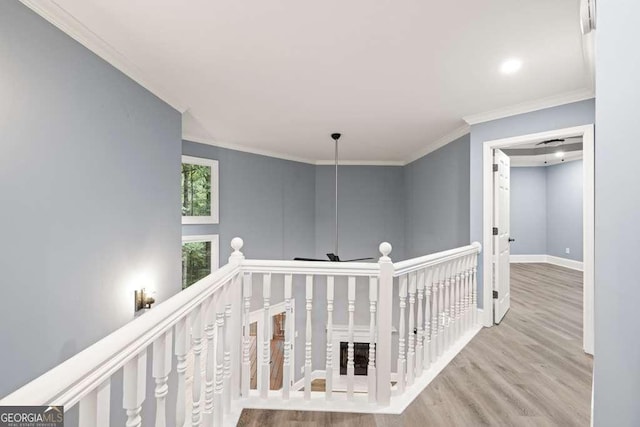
(257, 317)
(588, 212)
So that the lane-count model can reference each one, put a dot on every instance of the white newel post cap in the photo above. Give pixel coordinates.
(477, 245)
(385, 250)
(236, 245)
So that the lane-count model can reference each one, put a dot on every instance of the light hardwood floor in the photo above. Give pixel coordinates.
(528, 371)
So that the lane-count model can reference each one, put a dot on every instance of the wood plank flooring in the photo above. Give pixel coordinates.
(528, 371)
(277, 361)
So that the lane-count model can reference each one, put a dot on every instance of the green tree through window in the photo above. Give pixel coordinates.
(196, 262)
(196, 190)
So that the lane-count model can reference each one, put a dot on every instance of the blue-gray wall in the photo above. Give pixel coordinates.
(437, 200)
(90, 196)
(564, 210)
(617, 289)
(546, 210)
(371, 210)
(528, 210)
(563, 116)
(268, 202)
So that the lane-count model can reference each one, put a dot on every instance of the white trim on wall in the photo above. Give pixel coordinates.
(58, 16)
(215, 246)
(215, 191)
(548, 259)
(529, 106)
(439, 143)
(488, 147)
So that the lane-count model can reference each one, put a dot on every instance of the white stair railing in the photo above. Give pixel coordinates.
(434, 297)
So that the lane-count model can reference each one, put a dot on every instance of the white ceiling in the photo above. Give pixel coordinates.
(279, 76)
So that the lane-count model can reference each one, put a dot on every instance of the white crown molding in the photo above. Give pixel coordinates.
(361, 162)
(246, 149)
(527, 107)
(441, 142)
(67, 23)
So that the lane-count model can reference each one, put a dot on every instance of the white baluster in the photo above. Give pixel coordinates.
(209, 314)
(228, 293)
(351, 297)
(329, 367)
(218, 403)
(411, 355)
(246, 359)
(134, 388)
(468, 291)
(402, 334)
(181, 350)
(458, 298)
(383, 342)
(266, 339)
(419, 321)
(371, 368)
(435, 313)
(288, 320)
(95, 406)
(447, 307)
(441, 311)
(161, 368)
(308, 339)
(427, 317)
(236, 258)
(474, 300)
(196, 335)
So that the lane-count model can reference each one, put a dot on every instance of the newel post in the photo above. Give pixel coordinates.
(235, 294)
(383, 344)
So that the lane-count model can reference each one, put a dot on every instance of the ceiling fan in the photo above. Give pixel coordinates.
(333, 257)
(560, 140)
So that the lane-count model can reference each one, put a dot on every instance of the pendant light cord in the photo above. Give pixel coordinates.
(336, 155)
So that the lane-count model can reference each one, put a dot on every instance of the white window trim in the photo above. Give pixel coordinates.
(214, 217)
(215, 246)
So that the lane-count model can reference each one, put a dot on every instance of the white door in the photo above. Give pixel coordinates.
(501, 238)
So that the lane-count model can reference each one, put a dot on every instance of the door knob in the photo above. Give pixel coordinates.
(511, 239)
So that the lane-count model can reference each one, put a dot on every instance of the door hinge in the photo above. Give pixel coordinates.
(495, 167)
(495, 231)
(495, 294)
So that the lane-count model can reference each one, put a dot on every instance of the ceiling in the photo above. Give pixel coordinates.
(395, 77)
(546, 154)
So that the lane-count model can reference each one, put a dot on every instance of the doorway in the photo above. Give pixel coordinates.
(496, 253)
(278, 324)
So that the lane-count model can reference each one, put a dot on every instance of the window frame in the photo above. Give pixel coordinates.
(215, 203)
(214, 239)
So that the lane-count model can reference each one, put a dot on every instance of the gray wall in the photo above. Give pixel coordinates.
(371, 203)
(617, 290)
(268, 202)
(546, 210)
(437, 200)
(564, 210)
(528, 210)
(568, 115)
(90, 198)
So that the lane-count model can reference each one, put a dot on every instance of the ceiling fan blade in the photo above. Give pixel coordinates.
(309, 259)
(550, 141)
(358, 259)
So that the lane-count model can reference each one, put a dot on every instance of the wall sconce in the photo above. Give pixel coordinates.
(142, 300)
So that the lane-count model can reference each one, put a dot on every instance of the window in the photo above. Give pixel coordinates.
(199, 190)
(199, 258)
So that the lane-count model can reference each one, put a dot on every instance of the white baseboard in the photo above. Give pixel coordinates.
(315, 375)
(564, 262)
(527, 258)
(549, 259)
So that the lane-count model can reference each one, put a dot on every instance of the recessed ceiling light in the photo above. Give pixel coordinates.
(559, 154)
(511, 66)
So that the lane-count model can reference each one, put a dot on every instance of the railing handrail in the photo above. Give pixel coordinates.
(68, 382)
(414, 264)
(311, 267)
